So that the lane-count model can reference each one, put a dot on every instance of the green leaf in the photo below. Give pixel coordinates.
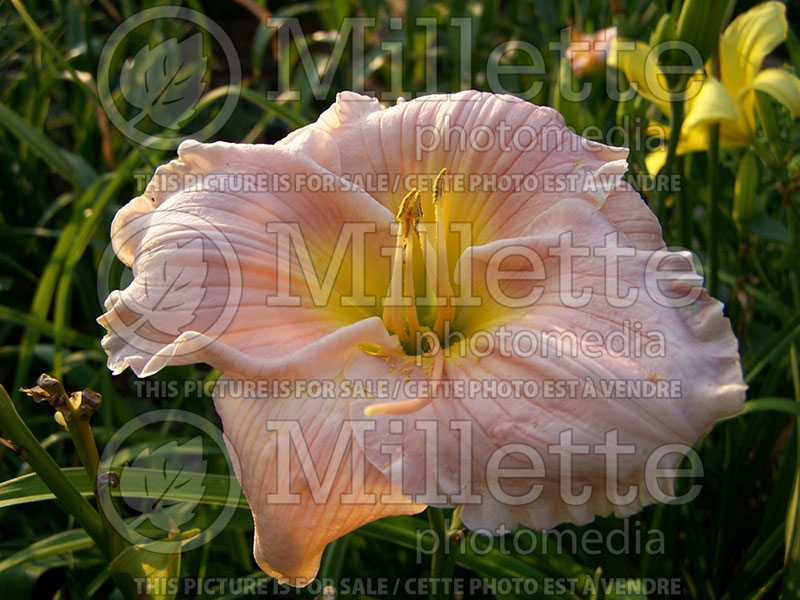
(476, 552)
(159, 570)
(784, 405)
(29, 488)
(770, 229)
(73, 169)
(60, 543)
(775, 348)
(255, 98)
(33, 322)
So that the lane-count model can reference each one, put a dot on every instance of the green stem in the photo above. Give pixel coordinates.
(82, 438)
(769, 125)
(684, 205)
(673, 167)
(436, 520)
(442, 562)
(37, 457)
(791, 579)
(713, 206)
(95, 525)
(675, 124)
(81, 432)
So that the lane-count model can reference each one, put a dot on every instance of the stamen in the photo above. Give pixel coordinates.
(445, 312)
(411, 309)
(371, 349)
(408, 215)
(410, 234)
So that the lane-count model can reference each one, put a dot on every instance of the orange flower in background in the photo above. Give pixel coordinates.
(377, 247)
(588, 51)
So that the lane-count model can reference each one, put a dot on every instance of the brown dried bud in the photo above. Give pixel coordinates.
(84, 404)
(47, 389)
(92, 400)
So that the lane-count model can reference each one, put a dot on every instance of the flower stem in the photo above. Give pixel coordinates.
(81, 433)
(713, 205)
(95, 525)
(791, 580)
(37, 457)
(443, 560)
(672, 167)
(769, 125)
(675, 124)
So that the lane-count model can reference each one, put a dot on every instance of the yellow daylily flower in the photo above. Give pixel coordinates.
(728, 100)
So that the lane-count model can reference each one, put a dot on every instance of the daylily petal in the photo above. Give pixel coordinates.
(700, 354)
(656, 159)
(304, 491)
(640, 65)
(207, 269)
(696, 140)
(625, 208)
(712, 104)
(411, 142)
(781, 85)
(747, 41)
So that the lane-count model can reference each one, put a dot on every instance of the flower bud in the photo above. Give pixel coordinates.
(744, 196)
(664, 30)
(700, 24)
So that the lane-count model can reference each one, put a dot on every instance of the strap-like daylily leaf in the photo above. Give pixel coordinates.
(155, 568)
(70, 166)
(30, 488)
(474, 554)
(65, 541)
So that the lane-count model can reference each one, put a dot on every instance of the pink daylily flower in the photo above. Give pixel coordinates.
(467, 263)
